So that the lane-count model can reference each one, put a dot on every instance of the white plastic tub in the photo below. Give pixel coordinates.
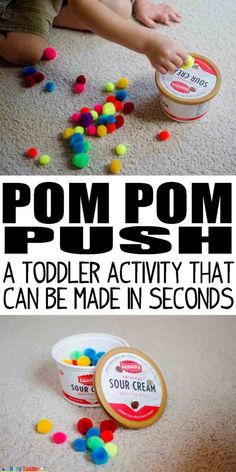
(186, 95)
(77, 382)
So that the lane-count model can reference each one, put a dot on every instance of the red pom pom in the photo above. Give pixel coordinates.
(81, 79)
(118, 105)
(128, 107)
(74, 362)
(32, 152)
(79, 88)
(85, 110)
(75, 117)
(84, 424)
(119, 121)
(164, 135)
(49, 54)
(29, 81)
(107, 425)
(111, 99)
(111, 128)
(107, 436)
(38, 77)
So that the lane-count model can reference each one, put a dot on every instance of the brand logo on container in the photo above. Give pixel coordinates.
(86, 379)
(180, 87)
(131, 366)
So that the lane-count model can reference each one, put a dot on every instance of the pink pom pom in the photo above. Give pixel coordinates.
(91, 130)
(49, 54)
(79, 88)
(59, 437)
(75, 117)
(98, 108)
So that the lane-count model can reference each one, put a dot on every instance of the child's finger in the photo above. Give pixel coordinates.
(149, 22)
(183, 55)
(164, 19)
(178, 61)
(161, 69)
(173, 17)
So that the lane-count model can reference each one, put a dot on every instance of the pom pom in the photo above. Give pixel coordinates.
(49, 87)
(107, 436)
(80, 161)
(94, 360)
(98, 108)
(80, 445)
(74, 362)
(75, 355)
(102, 120)
(92, 432)
(110, 119)
(101, 131)
(79, 88)
(115, 166)
(28, 70)
(122, 83)
(79, 130)
(91, 130)
(84, 424)
(111, 449)
(111, 127)
(39, 77)
(118, 105)
(77, 147)
(164, 135)
(67, 133)
(59, 437)
(49, 54)
(100, 354)
(75, 117)
(32, 152)
(111, 99)
(128, 107)
(67, 361)
(121, 95)
(85, 110)
(75, 138)
(86, 146)
(109, 87)
(44, 159)
(108, 109)
(81, 79)
(29, 81)
(189, 63)
(94, 115)
(44, 426)
(86, 120)
(100, 456)
(94, 442)
(119, 121)
(108, 425)
(120, 149)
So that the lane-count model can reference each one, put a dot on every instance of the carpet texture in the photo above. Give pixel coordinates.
(30, 117)
(197, 431)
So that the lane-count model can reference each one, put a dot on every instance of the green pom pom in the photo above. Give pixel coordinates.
(189, 63)
(80, 160)
(44, 159)
(94, 114)
(79, 129)
(120, 149)
(94, 442)
(109, 87)
(111, 449)
(87, 146)
(75, 355)
(108, 109)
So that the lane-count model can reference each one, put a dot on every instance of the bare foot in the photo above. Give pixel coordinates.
(150, 14)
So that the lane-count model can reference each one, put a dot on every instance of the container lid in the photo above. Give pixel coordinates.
(130, 387)
(195, 85)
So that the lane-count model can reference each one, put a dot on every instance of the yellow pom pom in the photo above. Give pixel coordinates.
(189, 63)
(83, 361)
(67, 361)
(44, 159)
(108, 109)
(101, 131)
(120, 149)
(94, 114)
(111, 449)
(109, 87)
(67, 133)
(44, 426)
(122, 83)
(115, 166)
(79, 129)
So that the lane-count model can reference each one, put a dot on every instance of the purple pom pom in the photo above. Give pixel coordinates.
(86, 120)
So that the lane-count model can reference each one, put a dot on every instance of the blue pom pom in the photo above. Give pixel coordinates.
(75, 138)
(100, 456)
(94, 360)
(78, 147)
(28, 70)
(92, 432)
(49, 87)
(102, 120)
(89, 352)
(110, 119)
(100, 354)
(80, 445)
(121, 95)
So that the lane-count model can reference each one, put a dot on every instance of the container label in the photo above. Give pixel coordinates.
(131, 386)
(77, 387)
(196, 82)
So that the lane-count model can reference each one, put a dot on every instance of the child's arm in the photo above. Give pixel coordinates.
(163, 53)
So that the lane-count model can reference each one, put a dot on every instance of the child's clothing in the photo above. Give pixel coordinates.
(28, 16)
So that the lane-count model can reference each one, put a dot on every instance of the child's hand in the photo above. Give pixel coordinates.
(150, 14)
(164, 54)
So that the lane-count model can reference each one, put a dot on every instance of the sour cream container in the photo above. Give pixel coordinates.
(186, 95)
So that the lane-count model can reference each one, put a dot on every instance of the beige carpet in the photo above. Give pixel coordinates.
(197, 432)
(33, 118)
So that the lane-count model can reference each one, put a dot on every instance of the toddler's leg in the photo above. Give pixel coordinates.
(21, 48)
(67, 19)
